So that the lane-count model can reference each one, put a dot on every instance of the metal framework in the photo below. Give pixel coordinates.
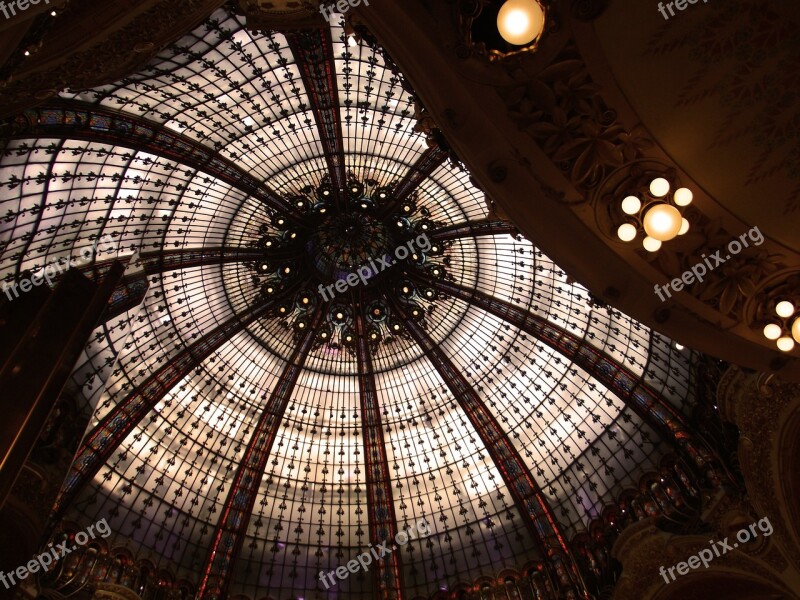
(528, 496)
(314, 53)
(77, 120)
(104, 439)
(232, 527)
(382, 519)
(615, 376)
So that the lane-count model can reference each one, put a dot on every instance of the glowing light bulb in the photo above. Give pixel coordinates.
(784, 309)
(684, 226)
(772, 331)
(651, 244)
(631, 205)
(683, 197)
(626, 232)
(662, 222)
(520, 21)
(785, 344)
(796, 330)
(659, 187)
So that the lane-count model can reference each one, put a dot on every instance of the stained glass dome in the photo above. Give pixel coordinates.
(252, 425)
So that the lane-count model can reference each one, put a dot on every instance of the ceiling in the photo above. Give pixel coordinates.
(165, 453)
(718, 89)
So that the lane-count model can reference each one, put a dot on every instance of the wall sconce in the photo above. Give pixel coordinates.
(784, 328)
(656, 214)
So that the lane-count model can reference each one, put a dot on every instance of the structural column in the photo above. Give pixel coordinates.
(34, 374)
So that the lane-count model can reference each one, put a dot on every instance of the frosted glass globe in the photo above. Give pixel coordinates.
(520, 21)
(662, 222)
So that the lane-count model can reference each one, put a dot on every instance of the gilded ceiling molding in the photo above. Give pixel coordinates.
(98, 57)
(564, 110)
(767, 413)
(112, 591)
(643, 550)
(282, 15)
(587, 10)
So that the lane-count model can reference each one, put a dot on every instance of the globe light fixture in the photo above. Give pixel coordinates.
(662, 222)
(683, 196)
(631, 205)
(520, 22)
(657, 212)
(772, 331)
(796, 330)
(651, 244)
(626, 232)
(784, 309)
(659, 187)
(785, 344)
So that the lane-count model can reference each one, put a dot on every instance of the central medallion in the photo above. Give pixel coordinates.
(361, 254)
(343, 242)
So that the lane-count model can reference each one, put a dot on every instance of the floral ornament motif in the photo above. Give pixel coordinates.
(562, 109)
(735, 281)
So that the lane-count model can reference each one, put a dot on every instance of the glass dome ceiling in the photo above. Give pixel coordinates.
(246, 435)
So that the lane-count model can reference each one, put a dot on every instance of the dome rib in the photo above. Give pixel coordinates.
(104, 439)
(426, 164)
(649, 405)
(382, 518)
(528, 496)
(313, 52)
(238, 508)
(73, 119)
(473, 229)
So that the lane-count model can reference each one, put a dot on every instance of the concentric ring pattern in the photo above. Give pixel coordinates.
(170, 483)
